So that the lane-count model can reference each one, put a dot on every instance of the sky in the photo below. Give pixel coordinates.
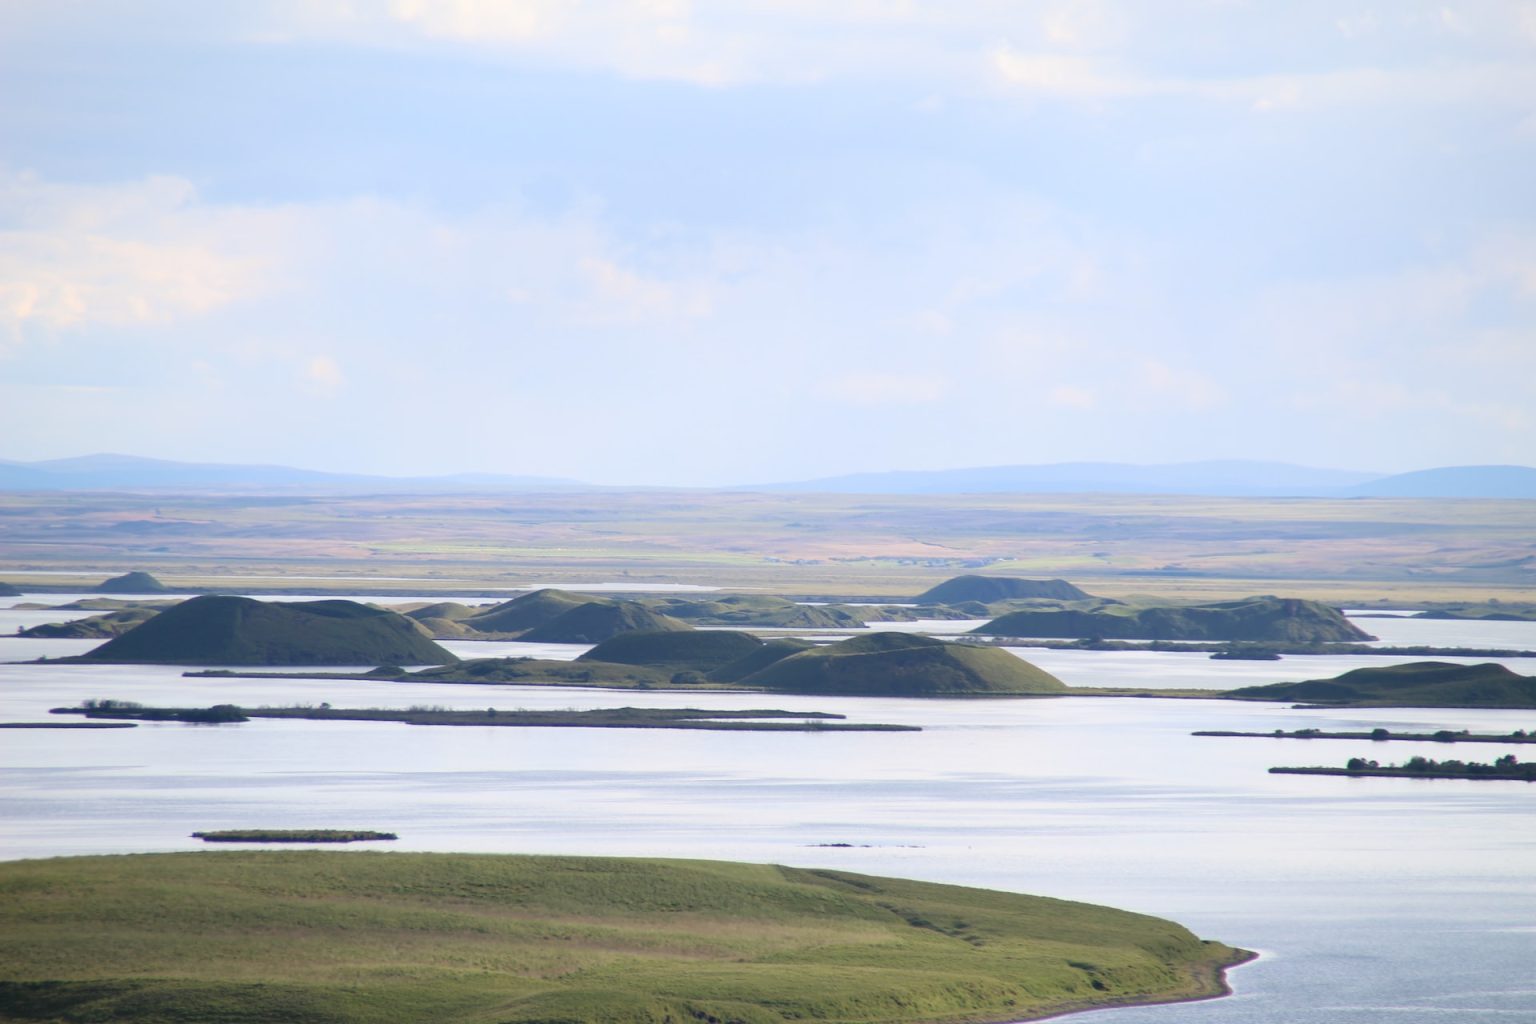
(661, 242)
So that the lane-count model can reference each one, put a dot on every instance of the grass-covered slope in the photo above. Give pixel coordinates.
(308, 937)
(92, 627)
(758, 610)
(987, 589)
(528, 611)
(700, 650)
(596, 621)
(534, 671)
(759, 658)
(131, 583)
(216, 630)
(903, 665)
(1420, 684)
(1252, 618)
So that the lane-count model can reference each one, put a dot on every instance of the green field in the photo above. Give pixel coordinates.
(309, 936)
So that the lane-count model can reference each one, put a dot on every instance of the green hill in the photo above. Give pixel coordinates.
(698, 650)
(596, 621)
(759, 659)
(528, 611)
(903, 665)
(93, 627)
(1419, 684)
(537, 671)
(987, 589)
(323, 937)
(131, 583)
(6, 590)
(1253, 618)
(758, 610)
(451, 610)
(217, 630)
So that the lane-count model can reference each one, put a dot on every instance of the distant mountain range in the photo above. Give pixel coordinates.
(132, 473)
(1225, 478)
(1232, 478)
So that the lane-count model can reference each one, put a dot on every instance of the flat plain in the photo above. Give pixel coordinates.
(1353, 551)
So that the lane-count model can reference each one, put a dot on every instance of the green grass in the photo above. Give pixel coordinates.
(377, 938)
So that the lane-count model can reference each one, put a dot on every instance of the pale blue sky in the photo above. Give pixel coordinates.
(673, 243)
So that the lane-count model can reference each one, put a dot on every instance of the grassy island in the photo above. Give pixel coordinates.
(379, 938)
(1508, 768)
(291, 835)
(1420, 684)
(216, 630)
(1380, 735)
(759, 720)
(1250, 619)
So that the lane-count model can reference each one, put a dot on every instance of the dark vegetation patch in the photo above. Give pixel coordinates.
(291, 835)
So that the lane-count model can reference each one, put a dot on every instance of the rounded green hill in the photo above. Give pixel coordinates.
(987, 589)
(596, 621)
(131, 583)
(1420, 684)
(904, 665)
(1253, 618)
(527, 611)
(700, 650)
(220, 630)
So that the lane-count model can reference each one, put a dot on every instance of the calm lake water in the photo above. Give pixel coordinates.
(1372, 900)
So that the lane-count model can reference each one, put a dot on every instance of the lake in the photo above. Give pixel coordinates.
(1372, 900)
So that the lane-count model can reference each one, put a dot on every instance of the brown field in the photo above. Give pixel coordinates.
(1349, 551)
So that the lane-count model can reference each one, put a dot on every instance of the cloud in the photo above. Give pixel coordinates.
(323, 375)
(141, 252)
(1187, 390)
(876, 389)
(1065, 396)
(622, 295)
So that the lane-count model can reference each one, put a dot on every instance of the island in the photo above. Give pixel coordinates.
(596, 621)
(1507, 768)
(756, 720)
(987, 589)
(1250, 619)
(102, 626)
(220, 630)
(131, 583)
(292, 835)
(1380, 735)
(904, 665)
(1420, 684)
(306, 936)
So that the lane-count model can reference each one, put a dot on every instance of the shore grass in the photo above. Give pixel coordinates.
(379, 938)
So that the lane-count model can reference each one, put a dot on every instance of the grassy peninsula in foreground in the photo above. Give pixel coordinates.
(378, 938)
